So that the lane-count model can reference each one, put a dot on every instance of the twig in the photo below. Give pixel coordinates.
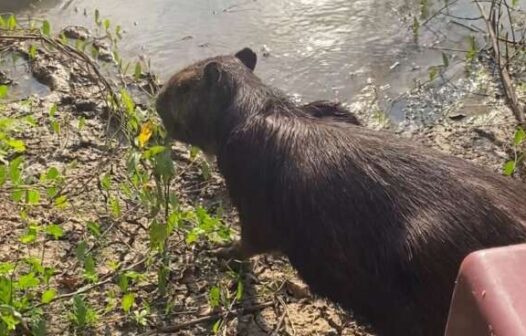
(206, 318)
(510, 20)
(470, 28)
(509, 92)
(95, 285)
(438, 12)
(281, 320)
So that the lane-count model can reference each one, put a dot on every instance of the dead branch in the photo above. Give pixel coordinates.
(509, 92)
(207, 318)
(87, 288)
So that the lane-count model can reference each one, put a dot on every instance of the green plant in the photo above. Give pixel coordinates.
(511, 165)
(29, 283)
(82, 314)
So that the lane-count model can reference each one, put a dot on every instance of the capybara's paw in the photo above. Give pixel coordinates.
(232, 251)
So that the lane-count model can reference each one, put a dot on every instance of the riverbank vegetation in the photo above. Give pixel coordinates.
(107, 227)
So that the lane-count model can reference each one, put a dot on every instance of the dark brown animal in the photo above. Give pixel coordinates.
(330, 110)
(369, 220)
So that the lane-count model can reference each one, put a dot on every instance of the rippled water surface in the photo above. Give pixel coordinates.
(317, 48)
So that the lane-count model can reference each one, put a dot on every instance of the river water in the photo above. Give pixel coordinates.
(315, 48)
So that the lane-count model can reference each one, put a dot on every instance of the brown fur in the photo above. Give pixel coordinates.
(369, 220)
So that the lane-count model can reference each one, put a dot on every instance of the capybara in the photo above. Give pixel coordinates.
(371, 221)
(330, 110)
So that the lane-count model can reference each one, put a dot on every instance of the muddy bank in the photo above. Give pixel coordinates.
(466, 118)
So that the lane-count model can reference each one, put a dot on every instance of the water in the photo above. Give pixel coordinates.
(318, 48)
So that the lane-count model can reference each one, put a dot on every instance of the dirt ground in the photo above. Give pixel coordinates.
(275, 301)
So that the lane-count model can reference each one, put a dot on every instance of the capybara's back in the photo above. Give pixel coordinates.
(370, 221)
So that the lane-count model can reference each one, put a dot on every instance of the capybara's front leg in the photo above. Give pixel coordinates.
(255, 239)
(236, 251)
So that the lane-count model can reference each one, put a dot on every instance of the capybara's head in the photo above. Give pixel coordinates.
(192, 103)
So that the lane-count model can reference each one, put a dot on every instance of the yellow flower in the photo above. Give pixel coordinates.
(146, 133)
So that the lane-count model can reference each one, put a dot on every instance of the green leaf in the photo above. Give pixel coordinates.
(153, 151)
(89, 269)
(29, 236)
(63, 39)
(509, 168)
(32, 52)
(214, 297)
(52, 192)
(240, 290)
(33, 197)
(81, 251)
(48, 295)
(138, 71)
(11, 22)
(158, 234)
(47, 274)
(97, 17)
(127, 302)
(35, 264)
(56, 126)
(115, 207)
(193, 152)
(94, 52)
(53, 110)
(82, 123)
(217, 326)
(519, 136)
(3, 23)
(118, 30)
(3, 174)
(164, 166)
(106, 24)
(61, 202)
(80, 310)
(46, 28)
(52, 173)
(6, 268)
(4, 89)
(173, 221)
(9, 320)
(94, 229)
(123, 282)
(28, 281)
(514, 3)
(128, 103)
(205, 170)
(16, 145)
(6, 290)
(105, 182)
(38, 327)
(193, 235)
(17, 195)
(54, 230)
(472, 49)
(30, 120)
(133, 162)
(15, 170)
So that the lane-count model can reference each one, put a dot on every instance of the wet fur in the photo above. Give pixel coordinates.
(369, 220)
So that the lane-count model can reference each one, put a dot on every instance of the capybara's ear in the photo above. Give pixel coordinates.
(247, 57)
(212, 73)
